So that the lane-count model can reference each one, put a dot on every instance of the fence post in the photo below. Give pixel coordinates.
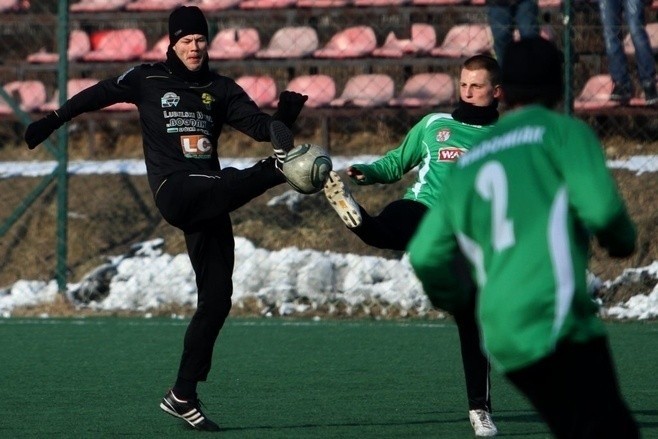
(61, 271)
(568, 56)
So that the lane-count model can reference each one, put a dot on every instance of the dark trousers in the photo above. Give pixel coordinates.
(575, 390)
(392, 229)
(199, 203)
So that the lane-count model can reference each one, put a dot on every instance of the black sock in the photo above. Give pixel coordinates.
(184, 389)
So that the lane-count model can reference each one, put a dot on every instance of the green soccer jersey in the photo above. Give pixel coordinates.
(433, 144)
(521, 205)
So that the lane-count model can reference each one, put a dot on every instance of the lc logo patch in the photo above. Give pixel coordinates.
(443, 135)
(169, 99)
(450, 154)
(195, 146)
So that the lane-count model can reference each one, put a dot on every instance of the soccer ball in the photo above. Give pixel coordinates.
(306, 168)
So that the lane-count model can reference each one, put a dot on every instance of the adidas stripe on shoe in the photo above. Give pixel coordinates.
(189, 411)
(340, 198)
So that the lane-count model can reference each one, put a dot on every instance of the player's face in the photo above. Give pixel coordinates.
(192, 50)
(475, 87)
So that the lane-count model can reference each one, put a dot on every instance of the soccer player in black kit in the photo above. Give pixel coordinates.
(182, 109)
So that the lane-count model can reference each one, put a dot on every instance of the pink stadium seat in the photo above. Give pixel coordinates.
(217, 5)
(652, 33)
(266, 4)
(291, 42)
(98, 5)
(9, 5)
(320, 89)
(73, 87)
(353, 42)
(423, 40)
(595, 94)
(549, 3)
(29, 95)
(234, 43)
(426, 90)
(116, 45)
(261, 89)
(153, 5)
(546, 32)
(367, 90)
(324, 3)
(439, 2)
(380, 2)
(79, 45)
(464, 40)
(158, 52)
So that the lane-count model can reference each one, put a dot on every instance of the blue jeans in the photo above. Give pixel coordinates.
(502, 19)
(611, 17)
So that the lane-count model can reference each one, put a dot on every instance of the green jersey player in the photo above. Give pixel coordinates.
(521, 206)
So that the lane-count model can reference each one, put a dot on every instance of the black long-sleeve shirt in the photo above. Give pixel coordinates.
(181, 121)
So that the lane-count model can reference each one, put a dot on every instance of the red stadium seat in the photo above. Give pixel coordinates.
(596, 94)
(158, 52)
(320, 89)
(464, 40)
(266, 4)
(153, 5)
(380, 2)
(98, 5)
(73, 87)
(324, 3)
(79, 45)
(29, 95)
(423, 40)
(366, 90)
(291, 42)
(353, 42)
(234, 43)
(116, 45)
(439, 2)
(9, 5)
(261, 89)
(217, 5)
(426, 90)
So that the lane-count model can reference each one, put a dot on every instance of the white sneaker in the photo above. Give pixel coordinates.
(482, 423)
(340, 198)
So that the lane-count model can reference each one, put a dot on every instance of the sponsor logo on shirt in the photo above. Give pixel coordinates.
(450, 154)
(443, 135)
(195, 146)
(207, 100)
(170, 99)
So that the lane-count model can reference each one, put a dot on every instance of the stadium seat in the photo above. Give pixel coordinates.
(353, 42)
(546, 32)
(29, 95)
(98, 5)
(464, 40)
(261, 89)
(320, 89)
(439, 2)
(324, 3)
(652, 33)
(116, 45)
(426, 90)
(234, 43)
(158, 52)
(380, 2)
(595, 94)
(9, 5)
(291, 42)
(423, 40)
(73, 87)
(549, 3)
(266, 4)
(366, 90)
(153, 5)
(217, 5)
(79, 45)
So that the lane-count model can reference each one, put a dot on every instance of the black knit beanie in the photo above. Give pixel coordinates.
(186, 20)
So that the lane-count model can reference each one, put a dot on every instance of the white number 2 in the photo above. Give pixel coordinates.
(491, 184)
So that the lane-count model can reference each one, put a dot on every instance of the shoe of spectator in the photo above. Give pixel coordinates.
(340, 198)
(651, 95)
(482, 423)
(189, 411)
(621, 93)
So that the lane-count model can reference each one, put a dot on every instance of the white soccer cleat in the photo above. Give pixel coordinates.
(482, 423)
(340, 198)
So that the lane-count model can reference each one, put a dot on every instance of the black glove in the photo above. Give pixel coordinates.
(289, 107)
(39, 130)
(281, 138)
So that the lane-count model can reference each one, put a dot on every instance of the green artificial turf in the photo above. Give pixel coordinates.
(273, 378)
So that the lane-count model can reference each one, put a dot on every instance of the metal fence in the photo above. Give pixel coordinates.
(61, 225)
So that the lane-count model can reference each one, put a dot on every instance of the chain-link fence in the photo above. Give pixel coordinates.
(372, 70)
